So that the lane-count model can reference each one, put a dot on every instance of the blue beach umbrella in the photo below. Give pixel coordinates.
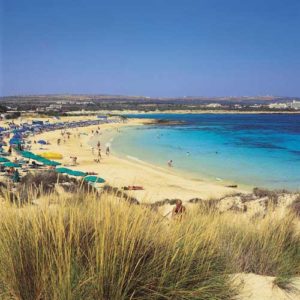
(17, 136)
(15, 142)
(42, 142)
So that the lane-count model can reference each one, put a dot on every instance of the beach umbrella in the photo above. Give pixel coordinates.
(94, 179)
(10, 164)
(52, 155)
(15, 142)
(47, 162)
(28, 154)
(77, 173)
(3, 159)
(70, 172)
(63, 170)
(17, 136)
(42, 142)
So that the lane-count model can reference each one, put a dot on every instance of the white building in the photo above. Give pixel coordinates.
(213, 105)
(278, 105)
(54, 107)
(295, 104)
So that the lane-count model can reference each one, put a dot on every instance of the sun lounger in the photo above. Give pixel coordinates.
(133, 188)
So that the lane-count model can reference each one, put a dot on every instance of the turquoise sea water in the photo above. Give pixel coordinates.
(258, 150)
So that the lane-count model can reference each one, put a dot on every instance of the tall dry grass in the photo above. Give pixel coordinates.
(107, 249)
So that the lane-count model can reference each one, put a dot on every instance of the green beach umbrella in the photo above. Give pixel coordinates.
(77, 173)
(46, 161)
(11, 165)
(94, 179)
(3, 159)
(28, 154)
(63, 170)
(70, 172)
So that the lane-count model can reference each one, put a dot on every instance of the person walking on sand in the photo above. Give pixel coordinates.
(107, 150)
(99, 153)
(74, 160)
(98, 145)
(179, 210)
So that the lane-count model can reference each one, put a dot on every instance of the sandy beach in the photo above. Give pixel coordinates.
(159, 183)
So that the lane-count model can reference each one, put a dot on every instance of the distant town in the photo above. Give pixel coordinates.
(14, 106)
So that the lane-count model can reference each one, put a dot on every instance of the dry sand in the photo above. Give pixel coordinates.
(257, 287)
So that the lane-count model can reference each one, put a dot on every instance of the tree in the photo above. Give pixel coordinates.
(3, 109)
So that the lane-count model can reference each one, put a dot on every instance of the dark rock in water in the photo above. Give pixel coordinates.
(165, 122)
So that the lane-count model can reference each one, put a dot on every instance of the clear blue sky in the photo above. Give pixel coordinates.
(150, 47)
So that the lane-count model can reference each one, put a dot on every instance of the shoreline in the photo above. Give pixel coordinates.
(139, 112)
(196, 176)
(158, 182)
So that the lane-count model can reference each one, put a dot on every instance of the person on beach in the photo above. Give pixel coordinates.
(16, 176)
(170, 163)
(98, 145)
(74, 160)
(179, 210)
(99, 153)
(107, 150)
